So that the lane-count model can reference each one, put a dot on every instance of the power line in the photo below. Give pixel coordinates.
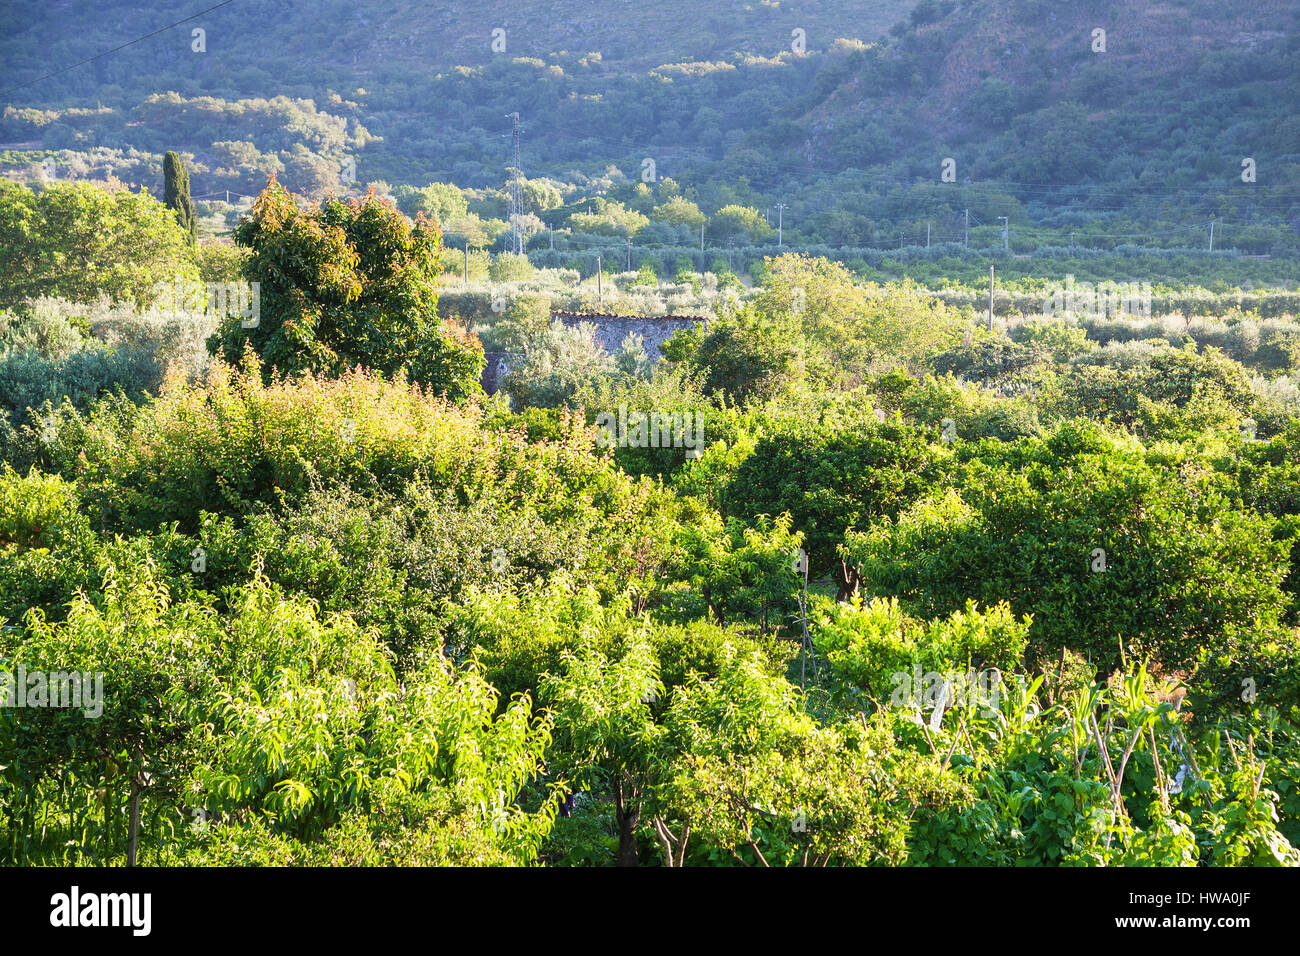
(91, 59)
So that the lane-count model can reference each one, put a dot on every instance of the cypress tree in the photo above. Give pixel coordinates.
(176, 194)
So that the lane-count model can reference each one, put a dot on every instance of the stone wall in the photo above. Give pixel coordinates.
(495, 369)
(612, 329)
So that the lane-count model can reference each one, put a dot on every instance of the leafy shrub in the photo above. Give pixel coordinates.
(557, 365)
(270, 715)
(509, 267)
(347, 284)
(1063, 341)
(30, 383)
(1109, 554)
(830, 481)
(867, 644)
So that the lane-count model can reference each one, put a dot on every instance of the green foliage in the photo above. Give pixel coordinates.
(524, 324)
(348, 611)
(271, 718)
(829, 481)
(1109, 554)
(45, 332)
(995, 362)
(1061, 340)
(749, 773)
(343, 285)
(647, 274)
(874, 647)
(79, 241)
(47, 549)
(509, 267)
(853, 330)
(30, 384)
(36, 510)
(736, 220)
(176, 194)
(220, 261)
(746, 358)
(674, 395)
(738, 572)
(557, 365)
(1057, 789)
(1170, 393)
(680, 211)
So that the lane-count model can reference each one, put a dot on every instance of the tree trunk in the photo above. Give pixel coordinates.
(627, 813)
(133, 810)
(849, 580)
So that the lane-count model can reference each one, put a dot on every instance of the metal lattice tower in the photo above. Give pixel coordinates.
(516, 189)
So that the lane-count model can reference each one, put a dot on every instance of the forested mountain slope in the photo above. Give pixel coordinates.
(1094, 122)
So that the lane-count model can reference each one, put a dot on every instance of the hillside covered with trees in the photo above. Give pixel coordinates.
(925, 133)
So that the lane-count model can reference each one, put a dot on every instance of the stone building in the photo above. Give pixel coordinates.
(611, 330)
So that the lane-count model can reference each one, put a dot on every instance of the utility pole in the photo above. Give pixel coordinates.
(516, 189)
(552, 235)
(966, 235)
(990, 298)
(780, 210)
(1071, 243)
(629, 253)
(1211, 235)
(466, 262)
(701, 237)
(600, 291)
(1006, 232)
(927, 235)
